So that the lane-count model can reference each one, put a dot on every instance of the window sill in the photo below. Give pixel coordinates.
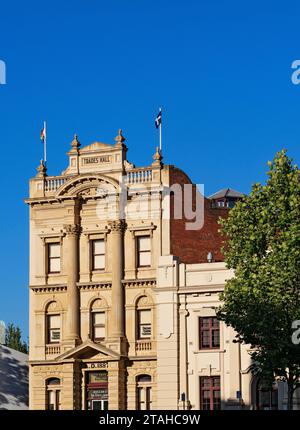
(211, 350)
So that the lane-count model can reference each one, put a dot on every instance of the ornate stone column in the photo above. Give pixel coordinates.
(71, 266)
(118, 311)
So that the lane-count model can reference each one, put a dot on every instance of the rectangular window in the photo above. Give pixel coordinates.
(144, 251)
(98, 254)
(98, 325)
(209, 333)
(53, 257)
(53, 328)
(144, 324)
(210, 393)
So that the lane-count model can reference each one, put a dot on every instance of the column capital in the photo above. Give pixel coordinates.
(118, 225)
(72, 229)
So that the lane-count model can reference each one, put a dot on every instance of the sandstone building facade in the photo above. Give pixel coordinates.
(93, 270)
(125, 276)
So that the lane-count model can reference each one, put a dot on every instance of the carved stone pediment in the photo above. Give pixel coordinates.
(89, 349)
(96, 186)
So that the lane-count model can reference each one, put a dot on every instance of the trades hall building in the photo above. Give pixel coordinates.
(123, 294)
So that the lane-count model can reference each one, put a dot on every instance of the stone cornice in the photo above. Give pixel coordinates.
(62, 288)
(85, 286)
(50, 235)
(138, 283)
(48, 288)
(104, 231)
(94, 286)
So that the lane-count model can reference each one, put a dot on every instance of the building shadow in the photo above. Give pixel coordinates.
(14, 388)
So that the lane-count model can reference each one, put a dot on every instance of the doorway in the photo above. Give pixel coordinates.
(97, 391)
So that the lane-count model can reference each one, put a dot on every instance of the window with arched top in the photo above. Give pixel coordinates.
(53, 323)
(98, 321)
(143, 318)
(53, 394)
(144, 392)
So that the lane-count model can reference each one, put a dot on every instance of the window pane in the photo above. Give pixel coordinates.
(217, 400)
(145, 316)
(205, 382)
(53, 381)
(144, 378)
(145, 258)
(54, 250)
(215, 322)
(99, 247)
(52, 400)
(54, 335)
(204, 322)
(216, 338)
(205, 339)
(216, 381)
(148, 397)
(144, 243)
(54, 264)
(99, 262)
(99, 317)
(99, 332)
(206, 394)
(54, 321)
(145, 331)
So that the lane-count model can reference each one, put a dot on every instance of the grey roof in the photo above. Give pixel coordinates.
(13, 379)
(226, 192)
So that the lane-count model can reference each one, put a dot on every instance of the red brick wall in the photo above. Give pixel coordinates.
(192, 246)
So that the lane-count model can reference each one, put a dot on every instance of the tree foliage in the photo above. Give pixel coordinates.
(13, 339)
(263, 247)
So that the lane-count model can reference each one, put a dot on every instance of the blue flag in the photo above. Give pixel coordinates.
(158, 119)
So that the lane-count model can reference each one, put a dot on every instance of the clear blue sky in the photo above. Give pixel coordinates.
(220, 69)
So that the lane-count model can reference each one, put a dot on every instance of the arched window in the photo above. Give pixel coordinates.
(143, 319)
(98, 319)
(53, 394)
(53, 323)
(144, 392)
(266, 398)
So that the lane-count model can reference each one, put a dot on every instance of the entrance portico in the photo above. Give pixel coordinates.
(99, 375)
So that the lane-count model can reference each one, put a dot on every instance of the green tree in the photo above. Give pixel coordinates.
(13, 338)
(262, 245)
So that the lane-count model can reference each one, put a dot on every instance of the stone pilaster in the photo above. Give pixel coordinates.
(183, 376)
(73, 313)
(235, 372)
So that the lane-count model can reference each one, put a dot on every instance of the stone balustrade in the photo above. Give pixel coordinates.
(52, 349)
(53, 183)
(139, 176)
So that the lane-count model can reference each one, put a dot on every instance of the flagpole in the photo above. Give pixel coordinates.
(45, 143)
(160, 142)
